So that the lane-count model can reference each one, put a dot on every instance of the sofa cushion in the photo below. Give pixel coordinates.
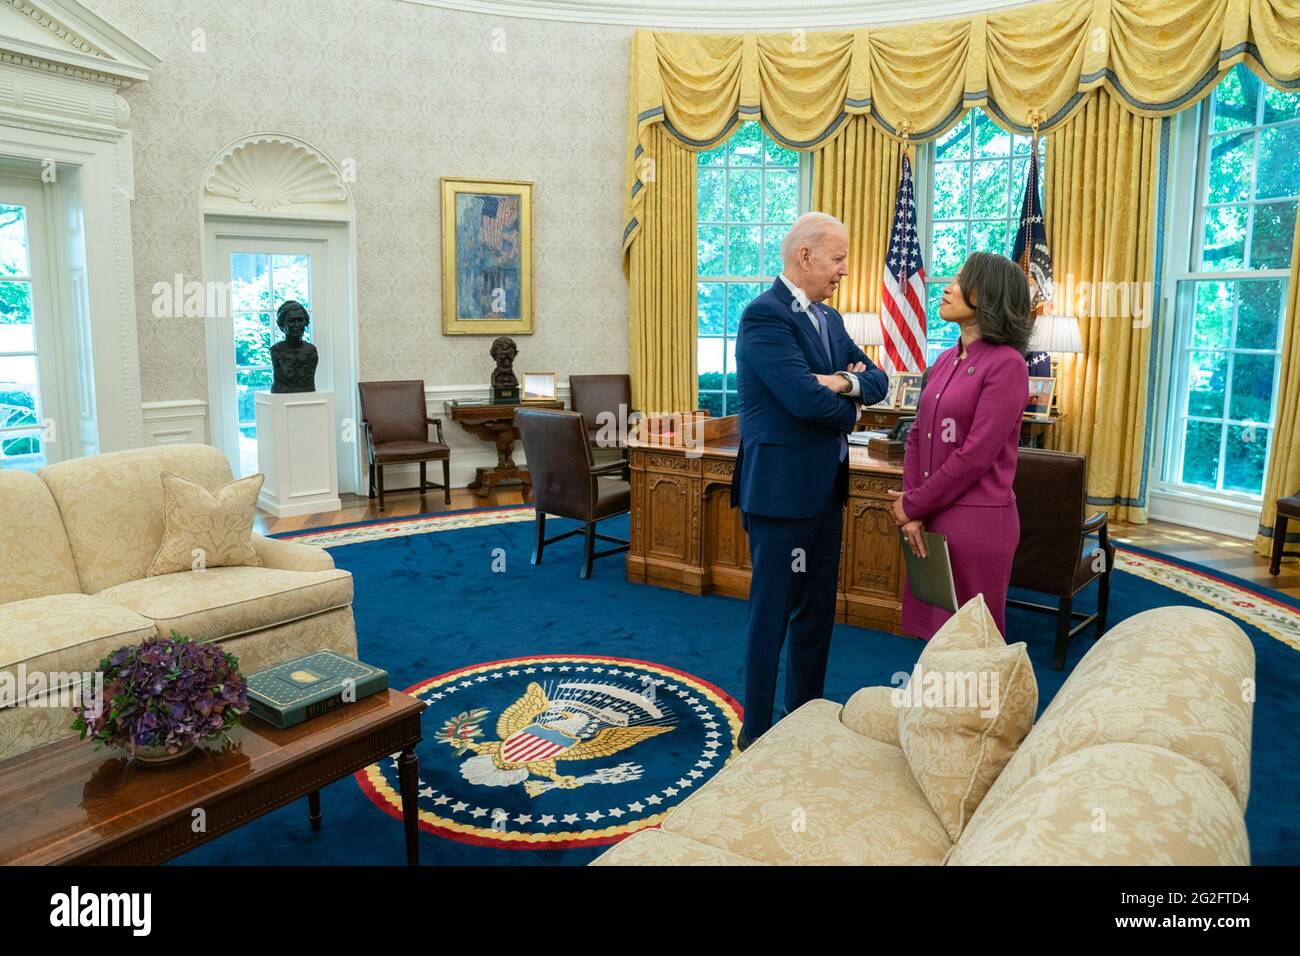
(65, 633)
(216, 524)
(35, 558)
(971, 627)
(112, 506)
(872, 712)
(656, 847)
(1171, 677)
(1112, 805)
(812, 791)
(960, 719)
(219, 603)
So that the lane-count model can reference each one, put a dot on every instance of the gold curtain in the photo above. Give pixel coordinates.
(1038, 62)
(855, 179)
(661, 274)
(1100, 180)
(1283, 476)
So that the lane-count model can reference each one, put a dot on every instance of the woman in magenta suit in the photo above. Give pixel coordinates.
(961, 451)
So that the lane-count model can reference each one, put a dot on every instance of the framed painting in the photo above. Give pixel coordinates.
(487, 257)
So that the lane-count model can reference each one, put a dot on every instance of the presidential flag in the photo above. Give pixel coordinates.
(902, 293)
(1031, 252)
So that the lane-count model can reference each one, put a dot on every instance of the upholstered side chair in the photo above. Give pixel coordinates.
(396, 428)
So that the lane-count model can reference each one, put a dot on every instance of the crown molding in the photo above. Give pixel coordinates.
(77, 43)
(726, 15)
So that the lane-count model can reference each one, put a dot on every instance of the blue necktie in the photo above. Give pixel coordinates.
(826, 344)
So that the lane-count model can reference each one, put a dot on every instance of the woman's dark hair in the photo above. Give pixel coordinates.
(998, 292)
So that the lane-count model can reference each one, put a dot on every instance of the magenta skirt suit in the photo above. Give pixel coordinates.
(958, 473)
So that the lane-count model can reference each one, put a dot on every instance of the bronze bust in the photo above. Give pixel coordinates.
(504, 381)
(293, 361)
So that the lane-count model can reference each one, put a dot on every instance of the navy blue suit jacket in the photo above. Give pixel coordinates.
(790, 425)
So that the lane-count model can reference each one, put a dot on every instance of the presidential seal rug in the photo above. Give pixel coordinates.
(553, 752)
(564, 714)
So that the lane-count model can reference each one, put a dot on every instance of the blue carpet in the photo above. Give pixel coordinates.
(430, 604)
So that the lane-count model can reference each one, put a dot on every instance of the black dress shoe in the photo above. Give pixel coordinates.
(742, 741)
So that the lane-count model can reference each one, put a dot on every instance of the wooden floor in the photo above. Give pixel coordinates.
(1229, 555)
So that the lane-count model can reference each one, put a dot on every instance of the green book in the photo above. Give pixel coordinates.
(298, 690)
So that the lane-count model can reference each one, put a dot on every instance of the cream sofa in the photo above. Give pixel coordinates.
(75, 542)
(1142, 757)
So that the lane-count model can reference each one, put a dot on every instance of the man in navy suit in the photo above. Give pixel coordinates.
(802, 382)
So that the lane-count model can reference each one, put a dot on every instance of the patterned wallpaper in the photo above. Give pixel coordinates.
(410, 93)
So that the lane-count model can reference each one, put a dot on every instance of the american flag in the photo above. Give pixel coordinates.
(499, 214)
(903, 290)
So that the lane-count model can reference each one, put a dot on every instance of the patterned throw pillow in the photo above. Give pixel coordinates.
(219, 526)
(969, 704)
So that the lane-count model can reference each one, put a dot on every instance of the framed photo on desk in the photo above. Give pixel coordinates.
(1041, 389)
(538, 386)
(909, 391)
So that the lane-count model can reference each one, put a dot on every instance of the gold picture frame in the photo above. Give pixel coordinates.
(538, 386)
(908, 394)
(487, 257)
(1038, 403)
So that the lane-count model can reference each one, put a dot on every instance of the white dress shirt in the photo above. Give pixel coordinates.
(805, 306)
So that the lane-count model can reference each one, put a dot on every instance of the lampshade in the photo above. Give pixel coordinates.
(1056, 333)
(864, 328)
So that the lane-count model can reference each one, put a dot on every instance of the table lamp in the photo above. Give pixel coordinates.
(864, 328)
(1055, 335)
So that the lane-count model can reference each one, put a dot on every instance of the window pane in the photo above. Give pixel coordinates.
(1252, 387)
(1224, 245)
(955, 144)
(1228, 173)
(711, 250)
(949, 248)
(777, 155)
(743, 250)
(710, 298)
(708, 361)
(739, 295)
(1274, 231)
(13, 241)
(250, 282)
(22, 450)
(291, 279)
(781, 195)
(17, 404)
(772, 238)
(991, 236)
(713, 157)
(1279, 162)
(1244, 459)
(1259, 313)
(730, 355)
(1234, 100)
(16, 331)
(711, 401)
(1207, 374)
(1280, 105)
(990, 139)
(711, 195)
(746, 147)
(989, 189)
(252, 339)
(1201, 454)
(743, 190)
(951, 191)
(1212, 323)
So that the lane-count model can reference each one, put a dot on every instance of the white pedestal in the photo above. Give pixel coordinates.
(295, 451)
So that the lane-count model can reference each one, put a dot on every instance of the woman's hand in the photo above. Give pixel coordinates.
(900, 516)
(913, 531)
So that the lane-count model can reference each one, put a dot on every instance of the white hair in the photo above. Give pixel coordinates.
(807, 230)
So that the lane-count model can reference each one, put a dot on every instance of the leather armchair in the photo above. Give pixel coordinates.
(597, 395)
(1052, 557)
(566, 481)
(396, 429)
(1287, 508)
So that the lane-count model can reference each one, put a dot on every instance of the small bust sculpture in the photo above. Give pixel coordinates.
(504, 351)
(293, 361)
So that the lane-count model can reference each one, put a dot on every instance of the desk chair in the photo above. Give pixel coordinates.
(567, 482)
(1051, 557)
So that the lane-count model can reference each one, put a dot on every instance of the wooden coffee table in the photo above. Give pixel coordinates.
(68, 803)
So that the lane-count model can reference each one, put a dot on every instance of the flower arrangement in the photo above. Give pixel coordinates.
(165, 696)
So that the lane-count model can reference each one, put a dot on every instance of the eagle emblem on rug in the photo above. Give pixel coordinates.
(583, 720)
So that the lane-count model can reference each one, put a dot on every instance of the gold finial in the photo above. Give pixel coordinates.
(905, 129)
(1037, 117)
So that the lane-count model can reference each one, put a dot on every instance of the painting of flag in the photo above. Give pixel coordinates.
(487, 253)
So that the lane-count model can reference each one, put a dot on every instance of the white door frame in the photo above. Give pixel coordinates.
(338, 369)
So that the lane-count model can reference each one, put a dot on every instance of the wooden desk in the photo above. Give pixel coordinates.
(496, 423)
(686, 536)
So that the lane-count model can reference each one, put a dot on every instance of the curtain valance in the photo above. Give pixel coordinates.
(1035, 64)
